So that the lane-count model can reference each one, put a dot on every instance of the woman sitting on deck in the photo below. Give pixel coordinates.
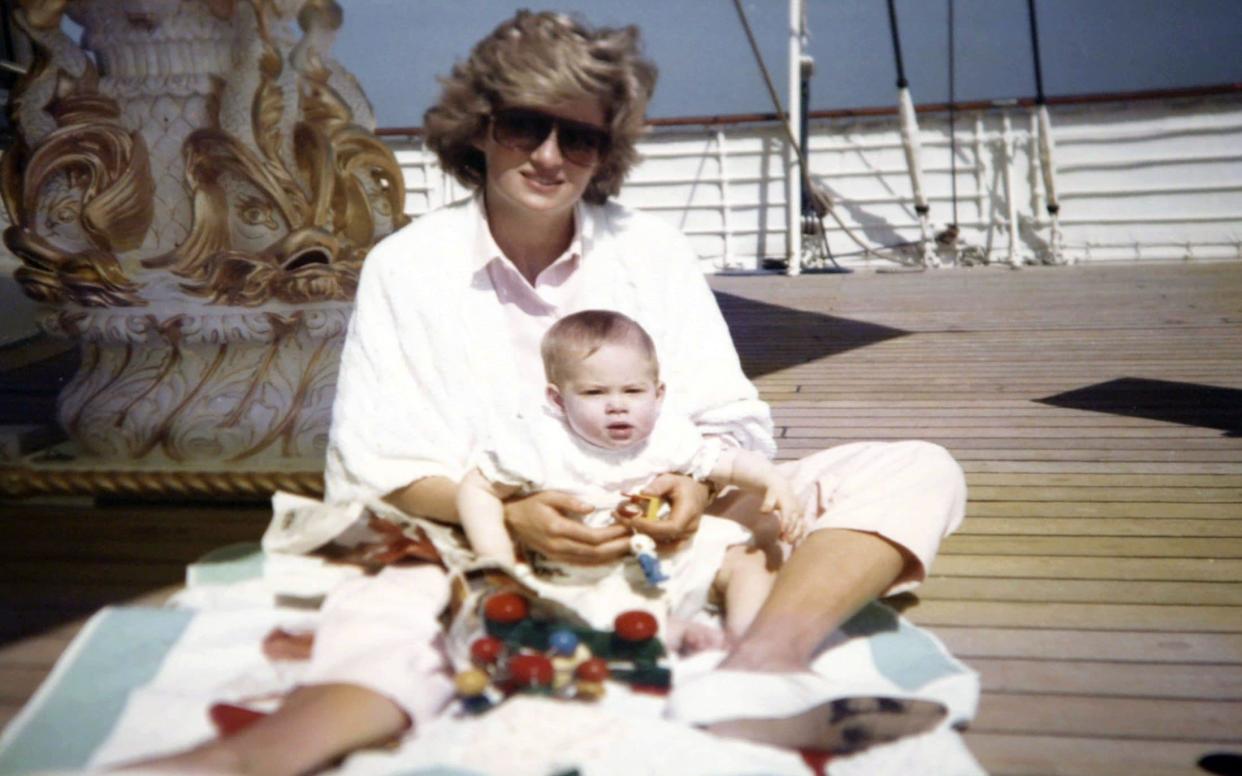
(542, 122)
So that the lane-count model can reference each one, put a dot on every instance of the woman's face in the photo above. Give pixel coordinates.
(612, 397)
(540, 182)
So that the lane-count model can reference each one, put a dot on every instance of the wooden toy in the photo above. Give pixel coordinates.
(525, 653)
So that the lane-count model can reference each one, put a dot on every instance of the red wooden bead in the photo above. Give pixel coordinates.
(593, 670)
(531, 670)
(506, 608)
(635, 625)
(486, 650)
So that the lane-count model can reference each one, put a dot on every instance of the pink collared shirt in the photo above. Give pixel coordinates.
(530, 309)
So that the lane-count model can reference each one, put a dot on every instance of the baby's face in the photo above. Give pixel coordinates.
(611, 398)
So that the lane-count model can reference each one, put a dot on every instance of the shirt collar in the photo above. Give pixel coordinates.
(486, 250)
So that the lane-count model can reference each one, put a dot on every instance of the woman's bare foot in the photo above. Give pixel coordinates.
(797, 710)
(841, 726)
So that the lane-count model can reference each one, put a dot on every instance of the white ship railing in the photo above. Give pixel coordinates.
(1139, 179)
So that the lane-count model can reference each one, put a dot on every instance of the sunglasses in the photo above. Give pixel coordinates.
(523, 129)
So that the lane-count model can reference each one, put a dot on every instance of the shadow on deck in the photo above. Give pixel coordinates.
(1186, 403)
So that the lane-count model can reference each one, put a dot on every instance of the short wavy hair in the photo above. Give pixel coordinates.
(544, 58)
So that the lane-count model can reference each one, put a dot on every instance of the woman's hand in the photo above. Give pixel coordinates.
(547, 523)
(687, 499)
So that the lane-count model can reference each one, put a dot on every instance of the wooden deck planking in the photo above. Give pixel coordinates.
(1110, 591)
(1026, 754)
(1069, 526)
(1223, 682)
(1189, 648)
(1096, 583)
(1135, 570)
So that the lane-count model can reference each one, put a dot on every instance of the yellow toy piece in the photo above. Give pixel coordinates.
(471, 682)
(650, 507)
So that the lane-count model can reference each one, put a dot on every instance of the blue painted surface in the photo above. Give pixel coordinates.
(234, 563)
(908, 656)
(125, 649)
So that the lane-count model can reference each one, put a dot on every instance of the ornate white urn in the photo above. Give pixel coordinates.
(193, 192)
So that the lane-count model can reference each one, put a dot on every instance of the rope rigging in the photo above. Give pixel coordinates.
(821, 200)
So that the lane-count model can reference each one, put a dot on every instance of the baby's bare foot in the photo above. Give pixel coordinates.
(690, 638)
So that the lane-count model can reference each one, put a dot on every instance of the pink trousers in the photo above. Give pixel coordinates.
(382, 632)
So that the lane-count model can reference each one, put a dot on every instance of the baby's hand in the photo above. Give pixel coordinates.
(779, 498)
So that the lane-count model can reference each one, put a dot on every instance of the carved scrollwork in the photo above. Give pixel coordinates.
(266, 230)
(81, 194)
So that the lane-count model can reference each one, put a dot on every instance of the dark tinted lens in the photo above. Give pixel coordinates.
(521, 130)
(525, 130)
(581, 144)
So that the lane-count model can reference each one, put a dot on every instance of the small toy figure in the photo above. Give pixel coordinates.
(644, 549)
(568, 652)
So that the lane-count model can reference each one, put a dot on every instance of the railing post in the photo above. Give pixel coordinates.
(1011, 204)
(726, 221)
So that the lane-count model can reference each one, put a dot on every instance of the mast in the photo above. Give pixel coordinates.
(910, 143)
(799, 186)
(793, 161)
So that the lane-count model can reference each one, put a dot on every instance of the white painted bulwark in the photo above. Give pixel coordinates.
(1150, 180)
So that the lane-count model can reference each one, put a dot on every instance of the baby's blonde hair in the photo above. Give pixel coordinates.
(575, 337)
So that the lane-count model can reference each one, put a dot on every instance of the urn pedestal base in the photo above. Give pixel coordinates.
(194, 402)
(56, 472)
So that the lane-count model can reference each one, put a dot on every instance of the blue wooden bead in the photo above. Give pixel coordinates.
(562, 642)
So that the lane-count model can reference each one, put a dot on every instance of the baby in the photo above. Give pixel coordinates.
(607, 438)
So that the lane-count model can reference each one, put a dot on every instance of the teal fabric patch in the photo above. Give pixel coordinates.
(233, 563)
(907, 655)
(125, 649)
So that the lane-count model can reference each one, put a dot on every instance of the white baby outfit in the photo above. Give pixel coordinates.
(543, 453)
